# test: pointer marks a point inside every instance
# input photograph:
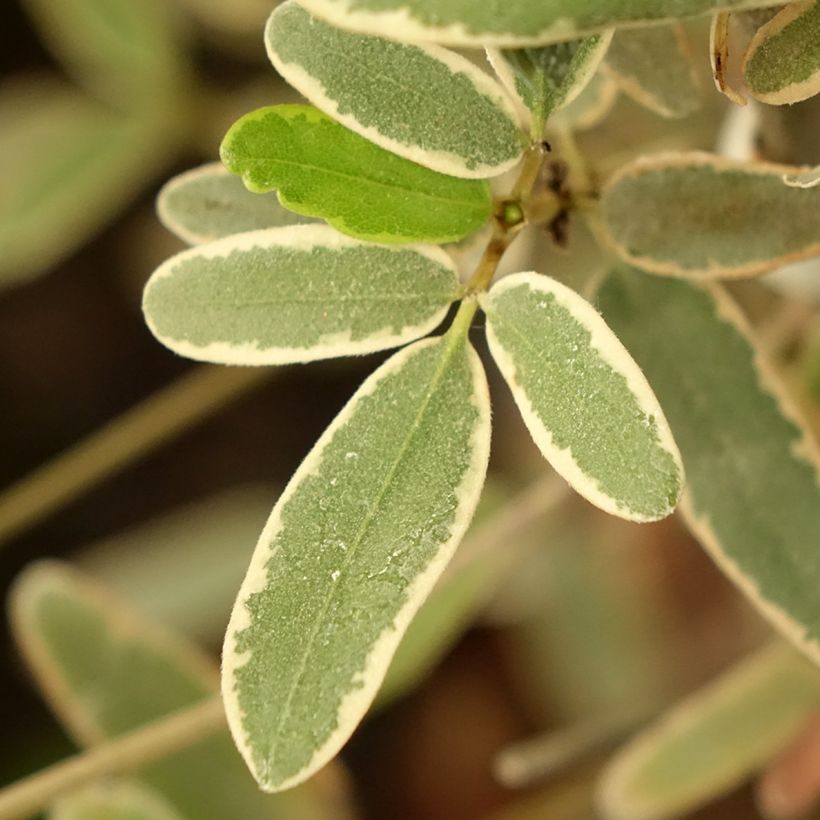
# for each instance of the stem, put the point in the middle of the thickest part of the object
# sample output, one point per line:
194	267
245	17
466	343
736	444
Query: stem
127	438
146	744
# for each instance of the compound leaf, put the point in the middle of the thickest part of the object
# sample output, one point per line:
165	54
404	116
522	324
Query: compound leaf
424	103
321	168
350	552
296	294
585	402
701	216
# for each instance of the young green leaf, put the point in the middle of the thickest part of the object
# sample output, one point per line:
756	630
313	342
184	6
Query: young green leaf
653	66
782	63
423	103
321	168
712	741
752	496
113	800
125	51
105	671
697	215
350	552
296	294
585	402
543	80
513	24
209	202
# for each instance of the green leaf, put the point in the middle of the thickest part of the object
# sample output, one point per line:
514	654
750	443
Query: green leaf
713	740
590	107
209	202
424	103
105	671
113	800
782	63
543	80
296	294
585	402
68	166
653	66
321	168
514	23
697	215
124	51
350	552
752	496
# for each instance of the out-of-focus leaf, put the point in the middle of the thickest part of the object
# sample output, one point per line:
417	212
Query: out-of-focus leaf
591	106
752	498
697	215
719	56
782	63
113	800
424	103
713	740
105	671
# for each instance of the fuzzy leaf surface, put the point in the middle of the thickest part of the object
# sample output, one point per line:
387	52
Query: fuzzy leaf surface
350	552
424	103
782	63
697	215
296	294
583	399
209	202
321	168
713	740
752	498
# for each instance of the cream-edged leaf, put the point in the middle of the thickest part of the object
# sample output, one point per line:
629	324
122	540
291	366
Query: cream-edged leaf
424	103
296	294
512	24
350	552
654	67
113	800
713	740
752	499
782	63
321	168
590	107
209	202
584	400
698	215
106	671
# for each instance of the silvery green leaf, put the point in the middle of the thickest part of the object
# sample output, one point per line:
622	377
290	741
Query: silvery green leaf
698	215
753	499
590	107
113	800
713	740
513	24
424	103
210	202
106	671
296	294
782	62
584	400
653	66
350	552
321	168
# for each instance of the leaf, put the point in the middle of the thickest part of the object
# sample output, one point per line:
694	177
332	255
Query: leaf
209	202
544	80
782	63
321	168
127	52
424	103
105	671
697	215
713	740
654	67
113	800
752	497
296	294
513	24
590	107
350	552
584	401
67	167
719	57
